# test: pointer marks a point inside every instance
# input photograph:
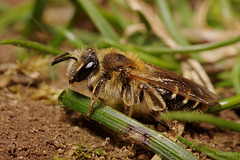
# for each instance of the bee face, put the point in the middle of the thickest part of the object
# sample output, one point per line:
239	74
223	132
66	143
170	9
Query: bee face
84	64
85	67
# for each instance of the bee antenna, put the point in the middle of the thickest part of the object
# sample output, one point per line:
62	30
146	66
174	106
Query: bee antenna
61	55
61	58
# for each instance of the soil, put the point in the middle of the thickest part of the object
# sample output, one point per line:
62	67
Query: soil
37	130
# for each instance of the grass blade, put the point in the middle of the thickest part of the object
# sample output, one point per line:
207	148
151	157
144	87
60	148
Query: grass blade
101	23
198	117
185	10
188	49
87	36
210	152
169	22
31	45
120	18
37	12
57	40
226	10
20	13
236	75
71	37
126	125
227	103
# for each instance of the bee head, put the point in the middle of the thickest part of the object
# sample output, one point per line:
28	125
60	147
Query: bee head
84	64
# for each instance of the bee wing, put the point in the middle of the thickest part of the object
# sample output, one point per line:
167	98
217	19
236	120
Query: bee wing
176	83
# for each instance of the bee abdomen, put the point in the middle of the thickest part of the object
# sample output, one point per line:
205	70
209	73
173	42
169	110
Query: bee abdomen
174	101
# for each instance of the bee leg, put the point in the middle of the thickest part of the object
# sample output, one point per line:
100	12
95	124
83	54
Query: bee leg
128	99
153	99
128	110
96	91
91	106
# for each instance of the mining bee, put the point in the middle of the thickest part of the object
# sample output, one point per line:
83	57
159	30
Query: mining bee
118	78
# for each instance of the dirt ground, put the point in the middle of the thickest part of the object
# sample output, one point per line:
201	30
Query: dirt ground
34	126
37	130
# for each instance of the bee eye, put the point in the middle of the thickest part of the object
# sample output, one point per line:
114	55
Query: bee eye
89	65
86	70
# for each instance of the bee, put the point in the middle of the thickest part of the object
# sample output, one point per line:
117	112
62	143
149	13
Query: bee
118	78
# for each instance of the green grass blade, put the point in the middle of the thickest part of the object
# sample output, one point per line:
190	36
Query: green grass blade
87	36
63	33
20	13
31	45
210	152
226	10
157	61
165	13
120	18
185	10
36	17
3	7
236	76
101	23
126	125
198	117
227	103
223	84
71	37
188	49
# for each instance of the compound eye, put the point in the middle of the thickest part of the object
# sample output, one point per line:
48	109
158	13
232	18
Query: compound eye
86	70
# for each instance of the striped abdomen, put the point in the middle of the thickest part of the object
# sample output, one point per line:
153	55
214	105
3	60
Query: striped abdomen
174	101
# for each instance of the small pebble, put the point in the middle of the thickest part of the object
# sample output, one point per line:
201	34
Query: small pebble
76	128
74	147
44	153
142	156
60	151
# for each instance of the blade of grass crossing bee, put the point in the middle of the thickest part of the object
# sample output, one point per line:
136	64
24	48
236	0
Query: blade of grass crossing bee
127	126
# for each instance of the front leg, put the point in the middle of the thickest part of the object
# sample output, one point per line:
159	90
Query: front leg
128	99
95	92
